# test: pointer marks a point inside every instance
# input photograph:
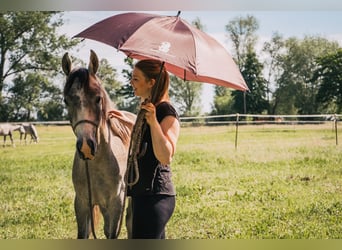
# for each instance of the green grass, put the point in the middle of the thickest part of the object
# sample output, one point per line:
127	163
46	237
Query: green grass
280	182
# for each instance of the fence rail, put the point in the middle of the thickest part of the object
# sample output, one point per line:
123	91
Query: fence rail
245	119
255	119
242	119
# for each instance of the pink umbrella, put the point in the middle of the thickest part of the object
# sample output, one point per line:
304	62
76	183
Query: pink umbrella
186	51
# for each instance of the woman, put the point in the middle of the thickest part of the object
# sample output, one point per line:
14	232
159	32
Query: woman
153	196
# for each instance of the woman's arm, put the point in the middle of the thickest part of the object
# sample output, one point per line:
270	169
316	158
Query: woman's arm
164	135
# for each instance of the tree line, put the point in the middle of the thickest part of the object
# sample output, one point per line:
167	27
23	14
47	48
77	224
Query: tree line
288	76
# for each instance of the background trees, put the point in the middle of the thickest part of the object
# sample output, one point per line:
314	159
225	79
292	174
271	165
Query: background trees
283	82
29	58
296	89
242	32
329	74
285	76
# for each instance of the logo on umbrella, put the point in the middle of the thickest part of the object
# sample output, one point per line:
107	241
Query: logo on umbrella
164	47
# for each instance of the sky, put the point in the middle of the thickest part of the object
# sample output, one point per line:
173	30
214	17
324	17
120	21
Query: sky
297	23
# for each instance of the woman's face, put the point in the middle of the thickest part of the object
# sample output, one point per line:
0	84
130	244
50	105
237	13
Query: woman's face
141	85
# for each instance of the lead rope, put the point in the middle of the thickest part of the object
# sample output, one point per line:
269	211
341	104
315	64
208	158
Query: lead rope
125	189
134	148
92	223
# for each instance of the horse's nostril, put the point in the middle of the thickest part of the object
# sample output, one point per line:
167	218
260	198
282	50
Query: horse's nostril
79	145
92	146
86	148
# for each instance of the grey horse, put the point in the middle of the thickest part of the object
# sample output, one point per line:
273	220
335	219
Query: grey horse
102	143
6	129
29	129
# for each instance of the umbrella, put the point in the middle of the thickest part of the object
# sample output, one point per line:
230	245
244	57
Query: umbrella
186	51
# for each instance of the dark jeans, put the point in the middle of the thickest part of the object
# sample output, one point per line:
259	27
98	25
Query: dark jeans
150	215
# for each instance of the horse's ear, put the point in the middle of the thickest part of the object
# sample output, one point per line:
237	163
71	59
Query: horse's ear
93	63
66	64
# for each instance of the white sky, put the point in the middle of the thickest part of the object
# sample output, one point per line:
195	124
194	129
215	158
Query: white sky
288	23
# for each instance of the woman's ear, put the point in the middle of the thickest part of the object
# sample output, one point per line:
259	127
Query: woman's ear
152	82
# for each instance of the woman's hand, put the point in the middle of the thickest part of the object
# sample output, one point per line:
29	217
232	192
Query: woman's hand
150	115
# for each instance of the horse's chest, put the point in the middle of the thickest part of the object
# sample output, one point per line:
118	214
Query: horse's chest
104	181
4	131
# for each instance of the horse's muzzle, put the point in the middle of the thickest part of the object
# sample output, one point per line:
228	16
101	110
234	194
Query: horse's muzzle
86	148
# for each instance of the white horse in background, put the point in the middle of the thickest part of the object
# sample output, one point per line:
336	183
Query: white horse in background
29	129
6	129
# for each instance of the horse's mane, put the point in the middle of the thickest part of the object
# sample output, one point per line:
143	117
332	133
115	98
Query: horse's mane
119	128
82	74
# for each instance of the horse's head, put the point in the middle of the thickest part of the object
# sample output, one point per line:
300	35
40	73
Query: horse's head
83	97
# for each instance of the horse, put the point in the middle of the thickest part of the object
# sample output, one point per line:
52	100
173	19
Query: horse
29	129
102	143
6	129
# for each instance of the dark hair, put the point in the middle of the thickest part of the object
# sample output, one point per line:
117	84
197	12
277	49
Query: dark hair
152	70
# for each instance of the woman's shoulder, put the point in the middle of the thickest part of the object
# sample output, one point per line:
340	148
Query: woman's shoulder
165	109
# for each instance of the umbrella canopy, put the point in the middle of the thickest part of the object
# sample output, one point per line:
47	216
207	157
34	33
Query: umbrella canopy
186	51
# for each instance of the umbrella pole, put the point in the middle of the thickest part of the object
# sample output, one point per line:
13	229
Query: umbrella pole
336	138
156	91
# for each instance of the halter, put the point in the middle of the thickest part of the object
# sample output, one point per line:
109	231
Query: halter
84	121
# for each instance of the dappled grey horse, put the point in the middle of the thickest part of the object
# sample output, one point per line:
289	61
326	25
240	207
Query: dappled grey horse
6	129
102	144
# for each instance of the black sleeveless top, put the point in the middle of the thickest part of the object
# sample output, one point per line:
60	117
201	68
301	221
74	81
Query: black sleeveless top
154	177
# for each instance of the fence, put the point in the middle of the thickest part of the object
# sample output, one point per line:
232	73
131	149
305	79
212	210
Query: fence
246	119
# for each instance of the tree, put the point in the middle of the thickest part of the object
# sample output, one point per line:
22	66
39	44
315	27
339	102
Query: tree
26	94
129	101
256	102
329	73
242	33
273	50
223	101
108	76
51	110
186	95
29	44
296	92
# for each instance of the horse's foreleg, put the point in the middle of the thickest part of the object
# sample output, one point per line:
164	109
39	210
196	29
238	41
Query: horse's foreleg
12	142
21	138
25	138
82	218
129	217
113	217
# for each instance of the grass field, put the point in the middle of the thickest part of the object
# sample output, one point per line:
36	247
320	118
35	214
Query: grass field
280	182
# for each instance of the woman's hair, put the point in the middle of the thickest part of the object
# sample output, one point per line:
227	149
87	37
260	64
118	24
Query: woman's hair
152	70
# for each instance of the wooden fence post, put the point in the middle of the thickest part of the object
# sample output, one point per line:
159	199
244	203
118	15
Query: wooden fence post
335	121
236	129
